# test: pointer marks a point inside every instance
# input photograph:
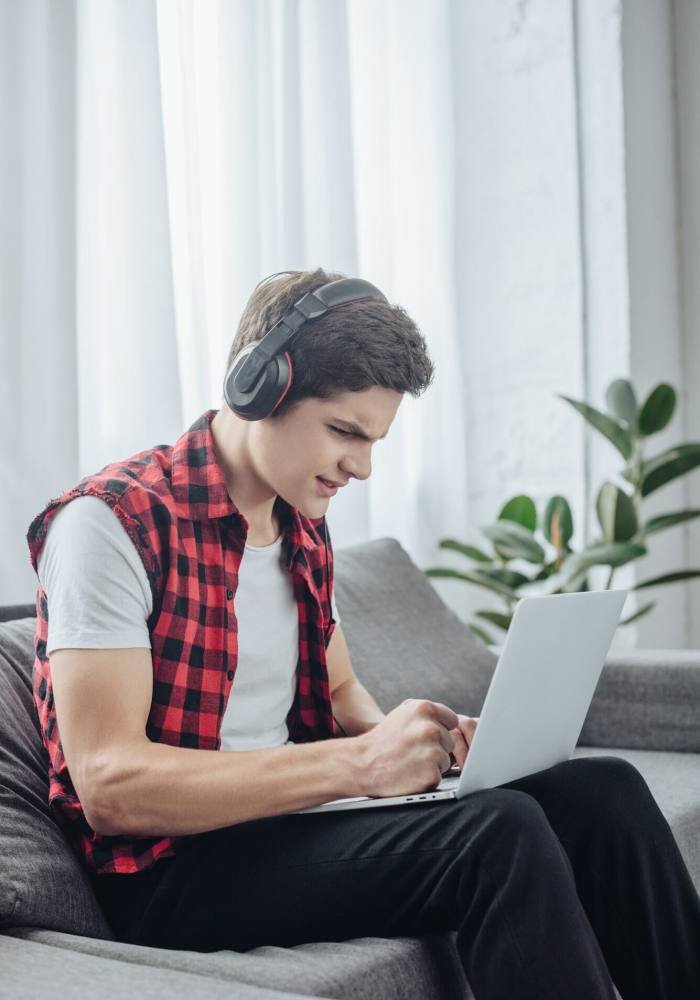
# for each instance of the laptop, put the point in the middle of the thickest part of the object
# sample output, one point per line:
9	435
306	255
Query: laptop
537	700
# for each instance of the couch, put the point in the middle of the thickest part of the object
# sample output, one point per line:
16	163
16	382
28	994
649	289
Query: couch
404	642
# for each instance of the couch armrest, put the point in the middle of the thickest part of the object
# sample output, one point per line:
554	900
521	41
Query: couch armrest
647	699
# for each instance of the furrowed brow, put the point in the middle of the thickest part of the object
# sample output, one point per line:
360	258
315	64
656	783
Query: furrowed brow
356	429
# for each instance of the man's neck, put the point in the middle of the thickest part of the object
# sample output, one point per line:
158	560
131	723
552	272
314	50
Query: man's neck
260	512
267	535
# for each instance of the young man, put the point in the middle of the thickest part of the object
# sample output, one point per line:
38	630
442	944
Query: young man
185	606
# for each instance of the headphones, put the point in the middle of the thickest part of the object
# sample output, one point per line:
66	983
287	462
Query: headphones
260	375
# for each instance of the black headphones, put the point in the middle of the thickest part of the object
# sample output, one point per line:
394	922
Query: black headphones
260	375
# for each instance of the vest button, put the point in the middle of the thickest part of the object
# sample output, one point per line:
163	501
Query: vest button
230	675
229	594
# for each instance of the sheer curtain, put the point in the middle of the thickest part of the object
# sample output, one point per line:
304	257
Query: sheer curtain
164	155
283	151
216	143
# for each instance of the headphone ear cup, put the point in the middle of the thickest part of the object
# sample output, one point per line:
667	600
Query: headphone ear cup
266	393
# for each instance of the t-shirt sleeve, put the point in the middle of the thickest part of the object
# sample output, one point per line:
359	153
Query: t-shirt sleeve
334	608
96	586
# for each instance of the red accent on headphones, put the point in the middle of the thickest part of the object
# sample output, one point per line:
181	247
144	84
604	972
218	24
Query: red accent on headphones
286	388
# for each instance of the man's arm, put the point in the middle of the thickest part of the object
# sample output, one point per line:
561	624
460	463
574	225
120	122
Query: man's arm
353	705
355	708
131	786
357	711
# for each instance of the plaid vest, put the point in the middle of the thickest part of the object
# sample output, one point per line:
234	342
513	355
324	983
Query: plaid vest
174	505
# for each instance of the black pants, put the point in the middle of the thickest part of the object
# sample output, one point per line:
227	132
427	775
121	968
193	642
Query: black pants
557	884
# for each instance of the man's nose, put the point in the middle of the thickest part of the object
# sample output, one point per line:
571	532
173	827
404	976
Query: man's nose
358	467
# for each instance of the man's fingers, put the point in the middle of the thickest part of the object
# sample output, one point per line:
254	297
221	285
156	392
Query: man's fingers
448	738
444	715
467	726
461	748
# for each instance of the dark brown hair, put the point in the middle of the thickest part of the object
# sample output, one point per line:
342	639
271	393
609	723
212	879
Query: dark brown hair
351	348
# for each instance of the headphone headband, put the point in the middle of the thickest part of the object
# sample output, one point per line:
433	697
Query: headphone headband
260	375
311	306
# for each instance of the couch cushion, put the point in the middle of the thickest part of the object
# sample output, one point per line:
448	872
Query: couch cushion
34	969
404	641
398	968
42	883
646	698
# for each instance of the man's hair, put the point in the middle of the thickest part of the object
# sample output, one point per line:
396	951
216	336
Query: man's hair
353	347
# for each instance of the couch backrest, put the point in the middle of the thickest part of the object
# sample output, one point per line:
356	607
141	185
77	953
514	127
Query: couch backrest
404	641
10	612
42	883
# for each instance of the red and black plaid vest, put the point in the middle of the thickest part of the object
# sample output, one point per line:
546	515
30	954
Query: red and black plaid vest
174	504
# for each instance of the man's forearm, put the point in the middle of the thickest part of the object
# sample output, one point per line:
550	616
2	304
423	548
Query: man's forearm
355	708
152	789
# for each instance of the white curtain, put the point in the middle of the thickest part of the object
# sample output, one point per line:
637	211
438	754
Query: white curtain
216	143
283	151
164	155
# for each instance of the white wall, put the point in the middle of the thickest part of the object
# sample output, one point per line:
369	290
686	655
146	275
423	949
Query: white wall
540	253
661	97
578	229
686	24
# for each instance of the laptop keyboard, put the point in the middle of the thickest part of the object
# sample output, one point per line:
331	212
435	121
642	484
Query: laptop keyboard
450	782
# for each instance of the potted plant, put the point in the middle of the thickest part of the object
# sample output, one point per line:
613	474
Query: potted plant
543	542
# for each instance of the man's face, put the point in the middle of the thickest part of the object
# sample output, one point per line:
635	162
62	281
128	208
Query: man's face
293	451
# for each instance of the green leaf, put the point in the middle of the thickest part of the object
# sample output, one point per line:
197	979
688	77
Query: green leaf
506	577
470	551
622	402
657	410
638	614
558	522
521	510
605	554
576	583
481	633
446	572
512	541
683	574
668	520
546	571
496	618
669	465
552	584
471	577
616	513
612	429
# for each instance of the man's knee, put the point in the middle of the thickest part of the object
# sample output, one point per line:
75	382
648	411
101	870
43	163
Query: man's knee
605	785
609	772
507	831
504	812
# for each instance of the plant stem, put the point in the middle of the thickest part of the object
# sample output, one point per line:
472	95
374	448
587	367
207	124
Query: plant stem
607	585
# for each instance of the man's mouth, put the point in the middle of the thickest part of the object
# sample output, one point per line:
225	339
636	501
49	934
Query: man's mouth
328	488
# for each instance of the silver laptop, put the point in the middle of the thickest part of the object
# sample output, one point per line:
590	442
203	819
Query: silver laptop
538	698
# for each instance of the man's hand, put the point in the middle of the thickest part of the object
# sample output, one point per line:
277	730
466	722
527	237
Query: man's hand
463	735
411	748
408	750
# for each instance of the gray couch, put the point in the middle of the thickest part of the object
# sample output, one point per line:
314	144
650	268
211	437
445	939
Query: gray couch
404	642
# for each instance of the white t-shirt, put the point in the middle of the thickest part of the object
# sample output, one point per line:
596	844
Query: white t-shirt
99	598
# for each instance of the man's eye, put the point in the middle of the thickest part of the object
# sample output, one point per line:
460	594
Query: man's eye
339	430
